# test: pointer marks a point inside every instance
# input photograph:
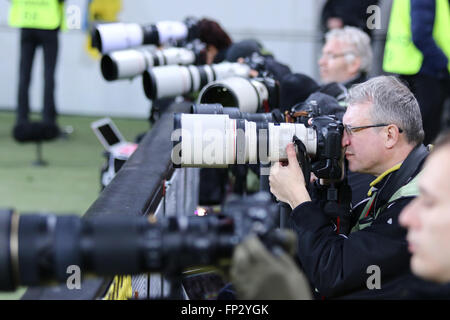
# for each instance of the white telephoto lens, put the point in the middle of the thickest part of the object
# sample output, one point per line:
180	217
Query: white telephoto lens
262	94
172	81
171	31
248	95
280	135
178	56
207	140
119	36
230	69
128	63
216	141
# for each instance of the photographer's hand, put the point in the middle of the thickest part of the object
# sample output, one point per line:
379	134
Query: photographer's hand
287	183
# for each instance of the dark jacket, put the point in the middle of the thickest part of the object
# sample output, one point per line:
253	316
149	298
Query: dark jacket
435	61
337	265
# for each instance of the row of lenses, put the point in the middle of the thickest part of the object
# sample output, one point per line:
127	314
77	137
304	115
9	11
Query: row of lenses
110	37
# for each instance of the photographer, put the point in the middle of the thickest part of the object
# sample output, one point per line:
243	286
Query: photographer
427	219
346	57
383	136
216	39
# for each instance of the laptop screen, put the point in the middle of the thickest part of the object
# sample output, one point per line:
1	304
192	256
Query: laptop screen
108	134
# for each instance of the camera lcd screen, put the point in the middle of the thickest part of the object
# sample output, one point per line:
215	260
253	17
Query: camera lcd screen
109	134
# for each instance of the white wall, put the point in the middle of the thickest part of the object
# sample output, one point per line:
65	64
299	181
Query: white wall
287	28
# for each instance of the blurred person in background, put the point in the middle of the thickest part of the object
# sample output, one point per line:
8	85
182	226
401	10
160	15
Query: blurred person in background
215	38
418	49
346	57
217	41
40	22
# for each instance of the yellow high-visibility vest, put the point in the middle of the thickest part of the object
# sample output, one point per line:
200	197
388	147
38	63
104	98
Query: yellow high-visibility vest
401	56
36	14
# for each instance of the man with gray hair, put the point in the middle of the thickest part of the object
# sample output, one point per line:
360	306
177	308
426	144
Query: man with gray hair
383	136
346	59
346	56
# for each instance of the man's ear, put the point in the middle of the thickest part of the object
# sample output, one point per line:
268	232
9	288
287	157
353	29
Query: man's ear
354	65
392	136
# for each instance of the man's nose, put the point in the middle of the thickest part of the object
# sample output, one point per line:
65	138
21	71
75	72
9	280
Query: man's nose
322	60
345	140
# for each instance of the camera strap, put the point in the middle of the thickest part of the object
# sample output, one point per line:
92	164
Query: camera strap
303	159
394	188
410	166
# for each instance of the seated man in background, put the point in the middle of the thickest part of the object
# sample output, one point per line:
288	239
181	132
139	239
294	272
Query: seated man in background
346	57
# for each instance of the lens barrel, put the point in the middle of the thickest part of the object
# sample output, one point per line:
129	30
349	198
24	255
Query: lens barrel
130	63
171	81
249	95
216	140
117	36
110	37
113	245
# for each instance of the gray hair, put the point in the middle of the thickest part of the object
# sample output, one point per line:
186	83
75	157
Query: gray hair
360	42
393	103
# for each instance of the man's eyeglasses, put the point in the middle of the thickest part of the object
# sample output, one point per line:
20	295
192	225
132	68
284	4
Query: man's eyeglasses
351	130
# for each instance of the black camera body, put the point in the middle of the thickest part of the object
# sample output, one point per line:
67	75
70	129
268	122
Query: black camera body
328	160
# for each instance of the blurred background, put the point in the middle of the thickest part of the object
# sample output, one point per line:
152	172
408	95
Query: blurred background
70	183
288	29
